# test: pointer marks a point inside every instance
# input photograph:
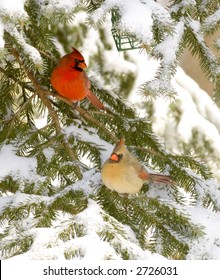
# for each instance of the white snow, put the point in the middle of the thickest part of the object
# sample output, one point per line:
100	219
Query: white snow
136	18
207	247
11	163
14	8
170	45
31	51
213	19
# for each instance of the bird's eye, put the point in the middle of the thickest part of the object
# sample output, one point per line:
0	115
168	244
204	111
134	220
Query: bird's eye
120	156
78	61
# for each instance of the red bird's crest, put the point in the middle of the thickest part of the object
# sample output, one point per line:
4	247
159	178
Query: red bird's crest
77	54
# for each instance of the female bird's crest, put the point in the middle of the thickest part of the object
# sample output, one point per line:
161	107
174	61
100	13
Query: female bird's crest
120	147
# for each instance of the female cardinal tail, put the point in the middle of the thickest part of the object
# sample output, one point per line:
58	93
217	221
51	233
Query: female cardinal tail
157	178
94	100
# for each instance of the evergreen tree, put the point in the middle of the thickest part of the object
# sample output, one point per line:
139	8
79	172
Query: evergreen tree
50	182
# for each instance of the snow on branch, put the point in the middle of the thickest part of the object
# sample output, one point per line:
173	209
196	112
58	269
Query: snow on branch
212	21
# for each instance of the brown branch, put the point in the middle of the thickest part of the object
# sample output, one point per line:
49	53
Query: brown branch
83	113
48	56
87	116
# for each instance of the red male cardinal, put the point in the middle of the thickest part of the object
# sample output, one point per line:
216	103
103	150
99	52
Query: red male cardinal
123	173
70	80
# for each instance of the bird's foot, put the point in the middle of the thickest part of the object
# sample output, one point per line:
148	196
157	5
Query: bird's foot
75	104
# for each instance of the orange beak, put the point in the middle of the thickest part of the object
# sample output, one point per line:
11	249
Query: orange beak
82	65
114	157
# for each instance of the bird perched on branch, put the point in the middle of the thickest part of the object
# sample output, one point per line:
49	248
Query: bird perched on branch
70	80
123	173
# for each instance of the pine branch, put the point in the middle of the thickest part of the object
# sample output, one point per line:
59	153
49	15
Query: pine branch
22	107
18	81
15	246
84	114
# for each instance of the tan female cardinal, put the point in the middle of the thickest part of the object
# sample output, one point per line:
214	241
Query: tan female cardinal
123	173
70	80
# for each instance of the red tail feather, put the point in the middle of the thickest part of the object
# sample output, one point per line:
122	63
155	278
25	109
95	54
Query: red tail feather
94	100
